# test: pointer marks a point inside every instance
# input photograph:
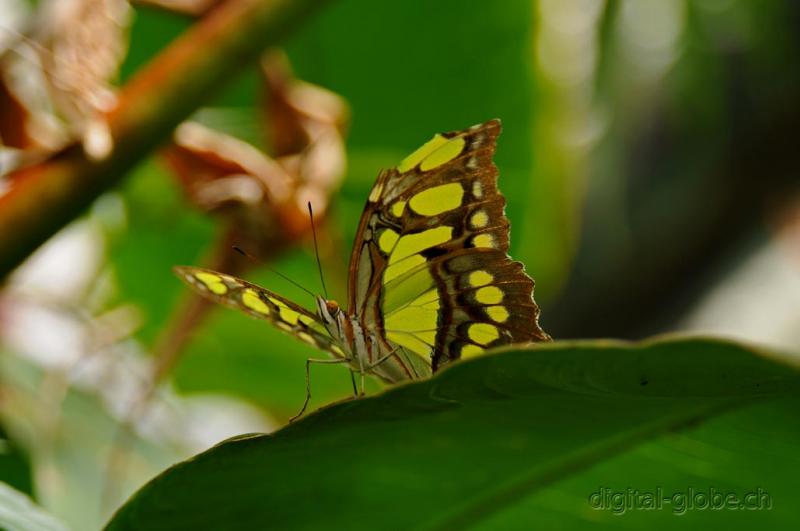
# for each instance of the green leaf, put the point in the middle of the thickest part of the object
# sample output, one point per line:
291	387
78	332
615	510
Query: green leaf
15	466
18	513
465	446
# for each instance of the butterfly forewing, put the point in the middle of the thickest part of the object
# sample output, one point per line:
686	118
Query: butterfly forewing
429	266
260	303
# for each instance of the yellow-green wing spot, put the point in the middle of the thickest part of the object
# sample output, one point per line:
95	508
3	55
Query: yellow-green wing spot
213	282
469	350
251	299
398	207
437	151
387	240
404	251
489	295
414	243
437	199
498	314
479	220
484	240
480	278
483	333
403	290
288	314
401	268
411	303
413	325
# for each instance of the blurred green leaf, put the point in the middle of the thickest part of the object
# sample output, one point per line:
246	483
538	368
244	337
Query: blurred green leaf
19	513
84	466
473	441
15	466
143	255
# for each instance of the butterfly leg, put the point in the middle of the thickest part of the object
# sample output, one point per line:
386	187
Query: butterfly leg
353	381
309	361
381	360
363	371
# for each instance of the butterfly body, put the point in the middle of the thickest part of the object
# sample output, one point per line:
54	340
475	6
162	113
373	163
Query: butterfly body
364	349
430	280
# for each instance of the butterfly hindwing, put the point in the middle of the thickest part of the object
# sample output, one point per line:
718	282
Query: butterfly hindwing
429	267
258	302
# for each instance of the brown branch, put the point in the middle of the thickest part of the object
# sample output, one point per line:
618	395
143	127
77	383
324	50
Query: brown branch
44	198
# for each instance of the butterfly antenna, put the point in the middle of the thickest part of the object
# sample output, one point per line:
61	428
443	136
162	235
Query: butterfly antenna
316	250
261	262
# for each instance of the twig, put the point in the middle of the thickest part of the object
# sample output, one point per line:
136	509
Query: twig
44	198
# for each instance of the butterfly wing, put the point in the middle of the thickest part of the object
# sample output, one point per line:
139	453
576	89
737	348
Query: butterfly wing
429	268
260	303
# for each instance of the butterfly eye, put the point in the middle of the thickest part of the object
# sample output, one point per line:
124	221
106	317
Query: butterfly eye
332	307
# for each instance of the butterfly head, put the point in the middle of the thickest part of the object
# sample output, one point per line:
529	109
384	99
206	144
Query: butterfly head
340	324
331	314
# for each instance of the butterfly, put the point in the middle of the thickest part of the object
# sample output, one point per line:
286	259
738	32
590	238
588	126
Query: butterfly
430	280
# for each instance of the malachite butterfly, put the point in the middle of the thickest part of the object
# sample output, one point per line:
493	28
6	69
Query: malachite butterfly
430	279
